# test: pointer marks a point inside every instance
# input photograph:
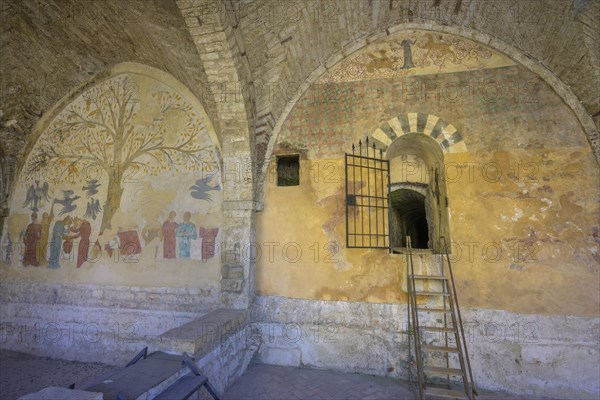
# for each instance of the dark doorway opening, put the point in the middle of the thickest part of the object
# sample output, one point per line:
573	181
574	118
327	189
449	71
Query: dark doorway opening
409	218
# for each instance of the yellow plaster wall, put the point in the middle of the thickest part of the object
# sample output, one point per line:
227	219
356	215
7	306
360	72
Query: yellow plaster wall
526	243
524	212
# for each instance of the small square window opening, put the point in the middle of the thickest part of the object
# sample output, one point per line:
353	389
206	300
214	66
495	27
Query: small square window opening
288	170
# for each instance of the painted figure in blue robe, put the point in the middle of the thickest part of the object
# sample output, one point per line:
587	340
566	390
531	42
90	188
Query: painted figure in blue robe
186	232
59	231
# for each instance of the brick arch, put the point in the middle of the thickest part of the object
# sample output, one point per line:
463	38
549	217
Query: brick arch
444	133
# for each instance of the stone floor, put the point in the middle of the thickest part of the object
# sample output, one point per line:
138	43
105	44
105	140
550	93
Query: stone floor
274	382
269	382
22	373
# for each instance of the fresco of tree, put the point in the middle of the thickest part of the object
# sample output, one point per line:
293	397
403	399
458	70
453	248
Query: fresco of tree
98	133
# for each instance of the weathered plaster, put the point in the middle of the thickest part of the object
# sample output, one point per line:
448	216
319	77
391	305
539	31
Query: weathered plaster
532	354
166	159
517	223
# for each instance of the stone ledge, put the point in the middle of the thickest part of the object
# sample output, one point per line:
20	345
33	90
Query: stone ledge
200	336
196	300
53	393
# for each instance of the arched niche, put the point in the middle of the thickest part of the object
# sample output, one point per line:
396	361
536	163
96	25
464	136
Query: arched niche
127	157
418	193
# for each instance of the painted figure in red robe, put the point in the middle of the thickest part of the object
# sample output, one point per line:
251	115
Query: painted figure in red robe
84	230
32	236
168	236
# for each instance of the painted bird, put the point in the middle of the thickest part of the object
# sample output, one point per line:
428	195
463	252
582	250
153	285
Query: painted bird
36	196
93	209
67	202
201	188
91	188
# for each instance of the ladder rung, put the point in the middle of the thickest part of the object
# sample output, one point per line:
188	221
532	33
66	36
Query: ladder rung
432	294
437	329
439	348
443	370
438	277
442	310
447	393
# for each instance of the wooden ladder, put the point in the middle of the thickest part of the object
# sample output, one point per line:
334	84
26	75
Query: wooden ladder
451	327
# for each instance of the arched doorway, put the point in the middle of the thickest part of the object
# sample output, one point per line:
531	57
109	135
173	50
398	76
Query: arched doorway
409	218
418	196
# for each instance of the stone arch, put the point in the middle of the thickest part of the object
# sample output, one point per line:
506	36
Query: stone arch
115	139
3	178
105	74
3	187
15	170
518	55
445	134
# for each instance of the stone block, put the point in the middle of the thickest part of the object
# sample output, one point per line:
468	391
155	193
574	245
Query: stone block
236	272
232	285
54	393
281	356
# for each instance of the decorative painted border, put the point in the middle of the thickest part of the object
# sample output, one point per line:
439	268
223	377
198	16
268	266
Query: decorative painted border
444	133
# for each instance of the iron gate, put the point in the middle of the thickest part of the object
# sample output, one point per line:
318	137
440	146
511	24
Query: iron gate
367	204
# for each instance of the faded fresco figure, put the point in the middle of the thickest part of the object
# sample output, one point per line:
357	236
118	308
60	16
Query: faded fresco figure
408	63
83	230
59	232
167	235
186	232
9	250
45	234
208	236
113	245
31	239
149	233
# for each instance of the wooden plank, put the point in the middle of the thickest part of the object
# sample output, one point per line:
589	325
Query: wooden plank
436	277
445	393
444	371
442	349
442	310
437	329
432	294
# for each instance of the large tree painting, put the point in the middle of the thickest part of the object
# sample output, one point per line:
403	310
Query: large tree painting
99	137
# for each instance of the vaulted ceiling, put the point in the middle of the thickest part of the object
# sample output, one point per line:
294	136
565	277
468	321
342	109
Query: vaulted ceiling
249	60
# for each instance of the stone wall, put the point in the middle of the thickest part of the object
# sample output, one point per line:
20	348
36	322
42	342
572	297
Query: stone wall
230	360
532	354
107	324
